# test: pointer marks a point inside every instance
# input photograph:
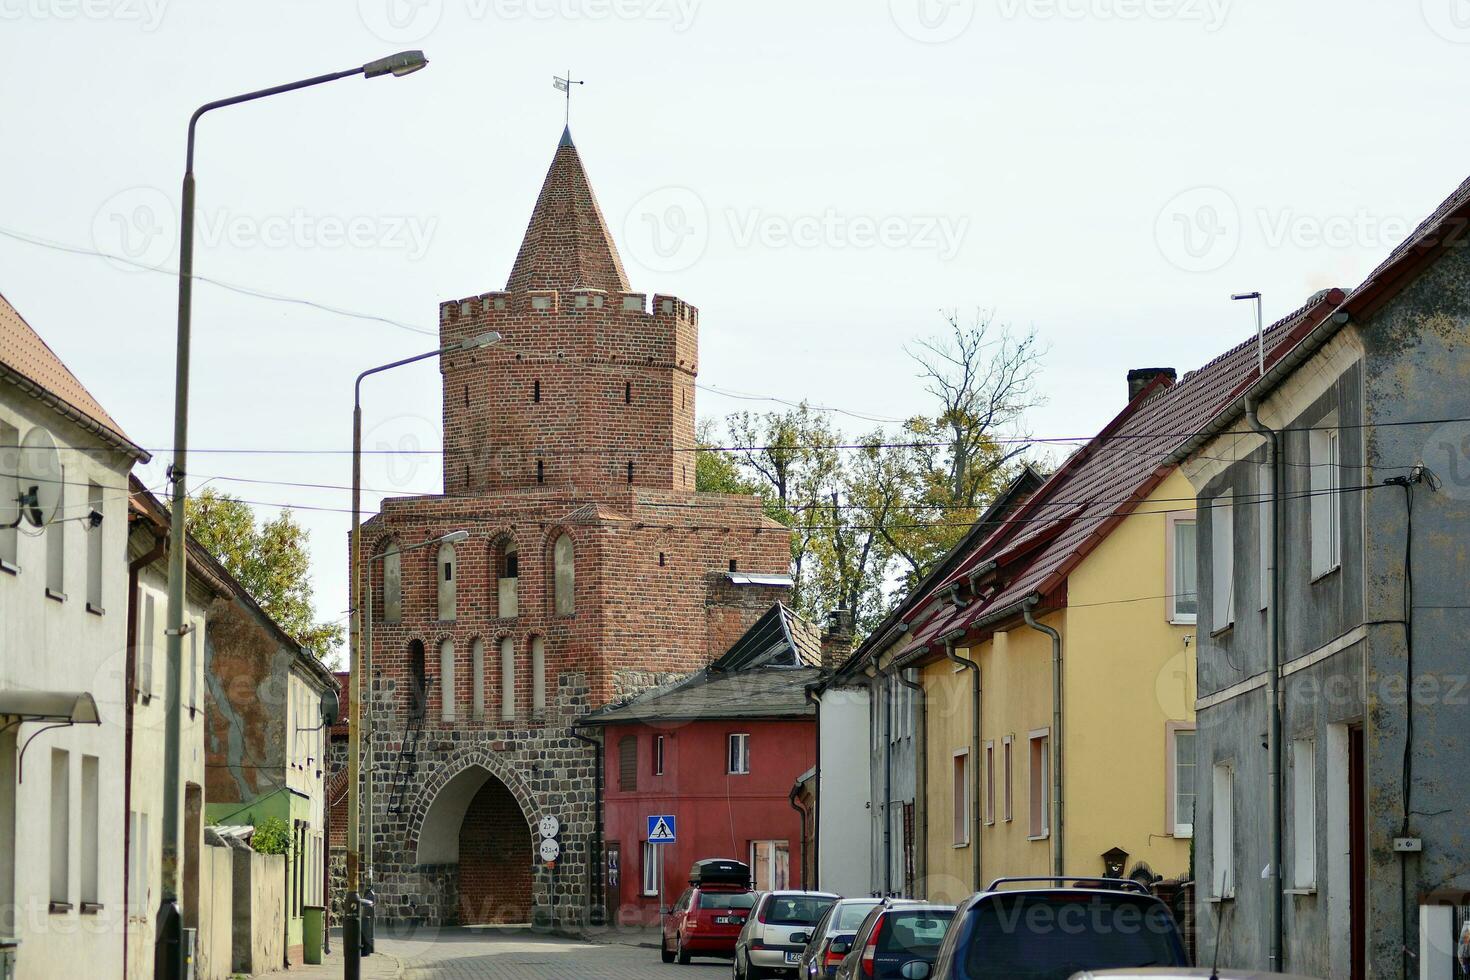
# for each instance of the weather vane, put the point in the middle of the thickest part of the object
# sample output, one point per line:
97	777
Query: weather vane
565	85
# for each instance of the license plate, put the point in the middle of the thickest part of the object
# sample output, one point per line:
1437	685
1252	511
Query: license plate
724	920
792	957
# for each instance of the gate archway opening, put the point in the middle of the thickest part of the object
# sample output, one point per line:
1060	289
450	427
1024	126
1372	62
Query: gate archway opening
476	825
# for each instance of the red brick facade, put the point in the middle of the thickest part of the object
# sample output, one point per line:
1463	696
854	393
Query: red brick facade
579	424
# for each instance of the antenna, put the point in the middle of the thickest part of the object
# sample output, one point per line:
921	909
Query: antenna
1260	330
40	478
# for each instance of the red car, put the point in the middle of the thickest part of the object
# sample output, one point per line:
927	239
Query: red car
708	917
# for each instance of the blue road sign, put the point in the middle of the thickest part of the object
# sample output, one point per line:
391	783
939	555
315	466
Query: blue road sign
661	829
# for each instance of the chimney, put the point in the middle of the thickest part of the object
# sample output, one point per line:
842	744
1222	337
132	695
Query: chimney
837	637
1139	379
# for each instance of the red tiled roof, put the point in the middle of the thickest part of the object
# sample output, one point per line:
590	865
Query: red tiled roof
24	353
1103	481
567	244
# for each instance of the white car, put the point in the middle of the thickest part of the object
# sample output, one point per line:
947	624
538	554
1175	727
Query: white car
776	931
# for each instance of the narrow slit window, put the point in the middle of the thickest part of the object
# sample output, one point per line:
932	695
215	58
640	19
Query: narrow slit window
540	471
507	679
630	471
94	534
627	392
536	390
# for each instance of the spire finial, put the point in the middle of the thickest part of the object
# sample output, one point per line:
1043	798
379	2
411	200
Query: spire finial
565	85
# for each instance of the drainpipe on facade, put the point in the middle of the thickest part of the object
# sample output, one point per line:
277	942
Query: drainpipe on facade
885	710
1273	681
816	704
950	639
130	668
594	846
1057	852
921	775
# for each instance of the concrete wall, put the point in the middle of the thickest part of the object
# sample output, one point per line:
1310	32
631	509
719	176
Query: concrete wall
844	830
893	777
213	959
56	644
258	897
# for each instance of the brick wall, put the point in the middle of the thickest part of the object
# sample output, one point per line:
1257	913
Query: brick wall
494	866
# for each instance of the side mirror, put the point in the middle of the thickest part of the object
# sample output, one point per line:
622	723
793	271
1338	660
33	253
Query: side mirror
914	970
841	947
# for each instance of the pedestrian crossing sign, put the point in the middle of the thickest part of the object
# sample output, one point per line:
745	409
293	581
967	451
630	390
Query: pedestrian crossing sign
661	829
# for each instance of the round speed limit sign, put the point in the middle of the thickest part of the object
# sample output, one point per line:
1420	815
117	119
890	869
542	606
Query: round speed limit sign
549	826
550	850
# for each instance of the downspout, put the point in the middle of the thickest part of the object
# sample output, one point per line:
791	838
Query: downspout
816	704
921	776
975	816
160	546
1273	681
801	814
594	846
1057	852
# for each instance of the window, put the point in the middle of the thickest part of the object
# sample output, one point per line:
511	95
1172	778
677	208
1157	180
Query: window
630	471
507	679
540	471
770	865
738	757
1303	814
56	548
628	763
538	676
1005	750
196	641
658	755
990	782
9	494
446	681
448	567
627	392
564	576
960	786
1222	561
1181	776
418	681
145	662
1040	784
94	550
653	868
536	390
392	583
507	560
1326	510
477	671
89	827
1222	832
1182	571
60	826
1263	529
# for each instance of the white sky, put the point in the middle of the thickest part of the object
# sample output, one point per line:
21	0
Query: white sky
1044	158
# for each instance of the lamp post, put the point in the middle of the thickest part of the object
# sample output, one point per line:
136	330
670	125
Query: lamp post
352	907
169	942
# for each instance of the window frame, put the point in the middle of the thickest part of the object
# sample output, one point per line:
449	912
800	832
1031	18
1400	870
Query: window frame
1172	825
741	739
1039	785
1222	560
989	783
658	755
961	777
1222	832
1172	523
653	863
1303	818
1007	754
1325	501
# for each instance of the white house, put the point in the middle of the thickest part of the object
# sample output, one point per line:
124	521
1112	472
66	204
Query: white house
63	642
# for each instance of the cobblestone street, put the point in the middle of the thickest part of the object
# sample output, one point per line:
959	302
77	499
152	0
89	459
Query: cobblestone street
464	954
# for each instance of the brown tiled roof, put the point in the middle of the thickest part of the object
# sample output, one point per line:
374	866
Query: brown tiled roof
567	244
28	359
1100	484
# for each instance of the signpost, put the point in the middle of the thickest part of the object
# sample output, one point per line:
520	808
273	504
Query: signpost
662	829
550	849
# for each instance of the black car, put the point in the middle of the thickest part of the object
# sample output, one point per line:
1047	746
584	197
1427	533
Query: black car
895	934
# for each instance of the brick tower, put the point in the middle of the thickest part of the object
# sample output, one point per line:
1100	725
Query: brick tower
592	571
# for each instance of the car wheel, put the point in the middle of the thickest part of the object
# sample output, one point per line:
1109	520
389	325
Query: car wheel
679	952
663	951
753	972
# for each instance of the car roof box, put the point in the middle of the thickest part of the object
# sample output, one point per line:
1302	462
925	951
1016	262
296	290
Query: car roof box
720	871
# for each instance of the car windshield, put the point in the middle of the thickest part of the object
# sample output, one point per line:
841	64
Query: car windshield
796	910
849	917
1052	936
726	900
918	931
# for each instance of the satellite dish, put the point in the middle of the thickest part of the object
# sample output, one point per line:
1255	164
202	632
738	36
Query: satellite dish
40	477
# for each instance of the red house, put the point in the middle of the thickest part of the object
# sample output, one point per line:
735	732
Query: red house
719	751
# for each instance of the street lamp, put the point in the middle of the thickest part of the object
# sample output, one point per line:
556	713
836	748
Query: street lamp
352	910
169	942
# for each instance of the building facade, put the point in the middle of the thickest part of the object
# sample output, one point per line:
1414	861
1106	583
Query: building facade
64	594
593	570
1371	617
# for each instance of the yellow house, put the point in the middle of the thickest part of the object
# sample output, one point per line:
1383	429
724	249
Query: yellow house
1071	629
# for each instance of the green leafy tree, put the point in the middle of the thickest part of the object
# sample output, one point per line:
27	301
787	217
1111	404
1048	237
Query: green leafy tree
271	836
270	560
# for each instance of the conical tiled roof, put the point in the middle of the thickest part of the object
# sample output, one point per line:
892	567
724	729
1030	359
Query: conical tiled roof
567	244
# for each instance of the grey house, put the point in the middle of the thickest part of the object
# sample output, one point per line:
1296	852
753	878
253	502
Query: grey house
1366	397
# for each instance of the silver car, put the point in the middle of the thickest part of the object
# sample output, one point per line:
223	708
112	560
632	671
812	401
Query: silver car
766	946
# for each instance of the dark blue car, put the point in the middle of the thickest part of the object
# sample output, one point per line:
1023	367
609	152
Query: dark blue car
894	936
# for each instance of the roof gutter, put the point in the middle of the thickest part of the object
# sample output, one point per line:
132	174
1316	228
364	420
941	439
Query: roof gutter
76	415
950	639
1009	611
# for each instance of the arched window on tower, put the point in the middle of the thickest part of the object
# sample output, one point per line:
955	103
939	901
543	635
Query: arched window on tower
538	677
446	681
448	572
392	583
418	681
507	561
507	679
477	669
564	576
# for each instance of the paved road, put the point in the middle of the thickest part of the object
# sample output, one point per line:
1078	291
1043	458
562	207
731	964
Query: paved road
463	954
